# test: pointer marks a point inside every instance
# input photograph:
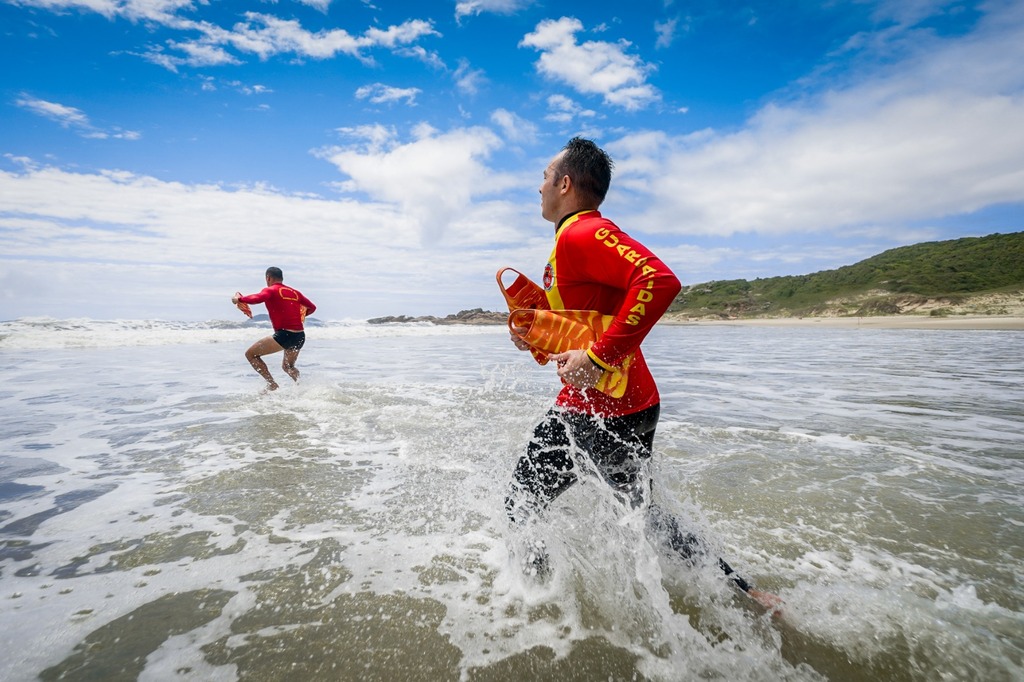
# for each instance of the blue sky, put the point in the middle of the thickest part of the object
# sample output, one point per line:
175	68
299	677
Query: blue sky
158	155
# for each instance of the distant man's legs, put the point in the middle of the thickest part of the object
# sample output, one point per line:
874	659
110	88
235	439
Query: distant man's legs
265	346
288	364
292	343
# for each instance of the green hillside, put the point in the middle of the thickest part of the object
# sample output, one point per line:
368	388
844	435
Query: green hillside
947	270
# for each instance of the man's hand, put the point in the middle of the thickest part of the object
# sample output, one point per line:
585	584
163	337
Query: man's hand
520	344
234	299
576	367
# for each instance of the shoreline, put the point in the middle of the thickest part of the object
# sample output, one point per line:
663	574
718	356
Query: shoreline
962	322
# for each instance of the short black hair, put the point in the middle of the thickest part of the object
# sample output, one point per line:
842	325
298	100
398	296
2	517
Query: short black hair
275	274
589	167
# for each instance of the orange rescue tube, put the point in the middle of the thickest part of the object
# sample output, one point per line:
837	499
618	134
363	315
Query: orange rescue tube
523	293
244	307
557	331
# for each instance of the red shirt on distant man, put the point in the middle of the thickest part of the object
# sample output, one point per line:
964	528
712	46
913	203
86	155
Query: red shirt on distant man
287	308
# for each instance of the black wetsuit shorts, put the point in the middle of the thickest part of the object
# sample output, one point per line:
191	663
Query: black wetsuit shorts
289	340
565	444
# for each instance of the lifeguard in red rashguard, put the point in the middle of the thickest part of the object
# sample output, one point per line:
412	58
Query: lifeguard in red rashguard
287	308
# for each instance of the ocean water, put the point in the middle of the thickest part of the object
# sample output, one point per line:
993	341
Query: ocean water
161	519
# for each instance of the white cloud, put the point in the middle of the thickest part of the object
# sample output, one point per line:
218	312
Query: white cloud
114	134
321	5
420	53
266	36
515	128
593	67
375	138
251	89
436	177
465	8
260	34
939	134
468	79
64	115
196	54
666	32
564	110
72	118
160	11
141	238
908	12
378	93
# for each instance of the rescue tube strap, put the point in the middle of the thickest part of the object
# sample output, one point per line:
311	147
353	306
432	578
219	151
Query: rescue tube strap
523	293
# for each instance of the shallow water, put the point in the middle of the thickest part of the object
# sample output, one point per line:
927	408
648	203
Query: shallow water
161	519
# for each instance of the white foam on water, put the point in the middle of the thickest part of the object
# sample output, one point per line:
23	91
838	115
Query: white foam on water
46	333
377	483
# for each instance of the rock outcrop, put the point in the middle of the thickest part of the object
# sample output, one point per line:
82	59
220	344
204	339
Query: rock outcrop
474	316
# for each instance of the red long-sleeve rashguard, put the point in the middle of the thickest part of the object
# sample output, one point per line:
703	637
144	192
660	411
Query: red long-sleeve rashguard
596	266
283	306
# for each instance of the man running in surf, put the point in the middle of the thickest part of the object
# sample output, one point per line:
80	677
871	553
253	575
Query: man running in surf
596	266
287	308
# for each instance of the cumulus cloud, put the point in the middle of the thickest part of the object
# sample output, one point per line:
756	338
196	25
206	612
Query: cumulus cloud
936	135
435	177
593	67
361	258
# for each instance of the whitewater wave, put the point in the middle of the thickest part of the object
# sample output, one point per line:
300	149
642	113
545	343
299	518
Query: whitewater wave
29	333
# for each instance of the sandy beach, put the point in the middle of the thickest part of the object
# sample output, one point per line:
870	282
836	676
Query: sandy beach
880	322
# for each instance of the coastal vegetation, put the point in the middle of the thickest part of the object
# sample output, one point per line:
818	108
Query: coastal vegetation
474	316
978	275
969	276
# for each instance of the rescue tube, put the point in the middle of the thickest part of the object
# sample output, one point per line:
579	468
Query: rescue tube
244	307
557	331
524	294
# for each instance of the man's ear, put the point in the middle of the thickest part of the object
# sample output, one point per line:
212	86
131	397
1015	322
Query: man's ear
566	184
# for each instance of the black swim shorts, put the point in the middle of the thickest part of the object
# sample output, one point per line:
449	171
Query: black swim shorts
289	340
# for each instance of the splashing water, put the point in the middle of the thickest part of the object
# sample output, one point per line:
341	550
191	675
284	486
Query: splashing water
159	519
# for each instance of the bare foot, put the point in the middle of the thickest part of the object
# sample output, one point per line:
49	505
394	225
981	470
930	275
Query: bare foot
768	600
272	386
